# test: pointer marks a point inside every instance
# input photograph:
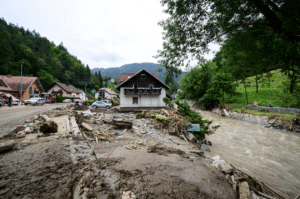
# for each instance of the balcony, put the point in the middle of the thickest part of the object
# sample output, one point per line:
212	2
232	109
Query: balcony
142	91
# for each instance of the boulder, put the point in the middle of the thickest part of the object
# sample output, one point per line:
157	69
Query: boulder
6	145
21	134
204	147
191	137
244	190
49	127
222	165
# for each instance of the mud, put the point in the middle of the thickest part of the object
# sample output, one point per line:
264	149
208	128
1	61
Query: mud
162	150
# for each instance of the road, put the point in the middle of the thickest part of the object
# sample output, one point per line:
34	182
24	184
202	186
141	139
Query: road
10	117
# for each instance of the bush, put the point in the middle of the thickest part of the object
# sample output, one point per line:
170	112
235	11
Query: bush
99	98
59	99
112	101
194	118
89	101
167	100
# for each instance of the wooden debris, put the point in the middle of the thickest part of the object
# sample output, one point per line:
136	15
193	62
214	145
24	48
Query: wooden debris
86	126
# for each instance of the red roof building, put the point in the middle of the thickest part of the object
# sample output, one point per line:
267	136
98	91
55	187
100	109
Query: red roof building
125	76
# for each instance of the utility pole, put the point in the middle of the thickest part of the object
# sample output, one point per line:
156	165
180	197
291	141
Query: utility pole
21	81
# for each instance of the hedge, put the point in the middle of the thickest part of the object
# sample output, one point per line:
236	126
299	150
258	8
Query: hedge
61	98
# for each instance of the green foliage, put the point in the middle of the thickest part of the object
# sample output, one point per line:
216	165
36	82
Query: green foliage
194	118
140	115
59	99
112	101
99	98
167	100
161	118
88	102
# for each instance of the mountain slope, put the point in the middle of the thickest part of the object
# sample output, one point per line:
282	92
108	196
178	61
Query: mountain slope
134	68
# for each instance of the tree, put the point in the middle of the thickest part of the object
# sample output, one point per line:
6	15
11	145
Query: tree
169	80
193	24
100	79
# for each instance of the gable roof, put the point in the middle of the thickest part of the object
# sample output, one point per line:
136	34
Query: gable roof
143	70
111	92
125	76
13	83
67	88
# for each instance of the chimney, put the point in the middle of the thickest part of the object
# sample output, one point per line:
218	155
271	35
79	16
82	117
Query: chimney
9	76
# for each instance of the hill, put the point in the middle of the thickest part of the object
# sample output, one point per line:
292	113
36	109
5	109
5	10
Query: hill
134	68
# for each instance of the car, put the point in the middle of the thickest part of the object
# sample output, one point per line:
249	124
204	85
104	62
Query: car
77	100
1	102
101	104
67	101
14	100
35	101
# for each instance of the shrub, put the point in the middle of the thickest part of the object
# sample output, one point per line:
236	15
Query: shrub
99	98
61	98
194	118
167	100
112	101
89	101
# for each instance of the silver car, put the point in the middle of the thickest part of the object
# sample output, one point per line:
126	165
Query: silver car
101	104
35	101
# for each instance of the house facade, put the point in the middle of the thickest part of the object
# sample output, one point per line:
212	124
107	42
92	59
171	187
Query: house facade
106	93
31	86
83	96
64	90
142	91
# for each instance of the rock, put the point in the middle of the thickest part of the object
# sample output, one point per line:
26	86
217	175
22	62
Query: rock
244	190
49	127
86	126
5	146
225	112
222	165
21	134
204	147
191	137
27	130
226	168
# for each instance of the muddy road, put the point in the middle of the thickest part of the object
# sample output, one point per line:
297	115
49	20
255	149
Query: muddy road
269	155
10	117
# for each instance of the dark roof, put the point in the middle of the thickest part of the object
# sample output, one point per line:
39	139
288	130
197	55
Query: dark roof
111	92
125	76
143	70
67	88
14	82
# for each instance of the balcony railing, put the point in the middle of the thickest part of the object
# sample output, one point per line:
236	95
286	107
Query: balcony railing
142	91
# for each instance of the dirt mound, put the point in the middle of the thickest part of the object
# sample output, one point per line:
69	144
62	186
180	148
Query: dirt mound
162	150
49	127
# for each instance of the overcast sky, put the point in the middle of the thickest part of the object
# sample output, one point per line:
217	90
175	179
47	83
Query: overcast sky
101	33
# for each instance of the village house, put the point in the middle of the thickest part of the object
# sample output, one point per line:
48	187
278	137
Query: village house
83	96
31	86
142	91
106	93
64	90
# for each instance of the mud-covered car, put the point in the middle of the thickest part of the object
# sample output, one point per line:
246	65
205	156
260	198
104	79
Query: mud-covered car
35	101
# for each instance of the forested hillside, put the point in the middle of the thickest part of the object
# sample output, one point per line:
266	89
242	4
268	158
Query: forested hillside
42	59
134	68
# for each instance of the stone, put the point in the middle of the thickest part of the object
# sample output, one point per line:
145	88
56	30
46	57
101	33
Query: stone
49	127
5	146
204	147
191	137
21	134
226	168
244	190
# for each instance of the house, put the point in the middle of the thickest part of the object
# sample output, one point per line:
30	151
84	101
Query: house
64	90
125	76
83	96
31	86
106	93
142	91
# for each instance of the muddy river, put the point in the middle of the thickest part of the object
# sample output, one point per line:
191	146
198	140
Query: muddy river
269	155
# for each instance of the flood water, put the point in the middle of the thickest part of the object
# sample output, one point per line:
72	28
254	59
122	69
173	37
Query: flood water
269	155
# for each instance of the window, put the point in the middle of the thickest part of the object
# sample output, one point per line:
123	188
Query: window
30	90
135	100
135	85
151	86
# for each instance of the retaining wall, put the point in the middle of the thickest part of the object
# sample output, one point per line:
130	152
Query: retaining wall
274	109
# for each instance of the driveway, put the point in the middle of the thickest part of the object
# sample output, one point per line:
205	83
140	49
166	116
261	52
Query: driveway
10	117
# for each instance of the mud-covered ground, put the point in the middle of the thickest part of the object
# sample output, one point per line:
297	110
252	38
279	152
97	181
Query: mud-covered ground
65	166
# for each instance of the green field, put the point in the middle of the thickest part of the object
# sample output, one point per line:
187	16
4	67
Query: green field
274	90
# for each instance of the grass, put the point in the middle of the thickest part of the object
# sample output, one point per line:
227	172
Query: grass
253	112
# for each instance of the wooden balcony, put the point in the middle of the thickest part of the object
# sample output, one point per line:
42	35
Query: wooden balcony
142	91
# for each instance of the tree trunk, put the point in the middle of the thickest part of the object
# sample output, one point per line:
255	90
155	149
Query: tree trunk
246	91
256	77
292	84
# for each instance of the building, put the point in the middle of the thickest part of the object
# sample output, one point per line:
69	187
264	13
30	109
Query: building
83	96
125	76
142	91
31	86
64	90
106	93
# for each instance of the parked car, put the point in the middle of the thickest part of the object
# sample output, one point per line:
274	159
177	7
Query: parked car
35	101
106	101
101	104
49	98
1	102
67	101
5	97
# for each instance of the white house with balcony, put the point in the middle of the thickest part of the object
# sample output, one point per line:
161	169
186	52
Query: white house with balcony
142	91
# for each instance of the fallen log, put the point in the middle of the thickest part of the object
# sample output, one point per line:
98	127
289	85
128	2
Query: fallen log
87	127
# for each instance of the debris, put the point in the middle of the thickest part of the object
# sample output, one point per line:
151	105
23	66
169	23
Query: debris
20	134
86	126
204	147
87	112
132	145
5	146
244	190
119	124
49	127
117	133
222	165
27	130
191	137
198	152
45	117
128	195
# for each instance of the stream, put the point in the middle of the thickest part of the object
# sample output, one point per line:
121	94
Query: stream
269	155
